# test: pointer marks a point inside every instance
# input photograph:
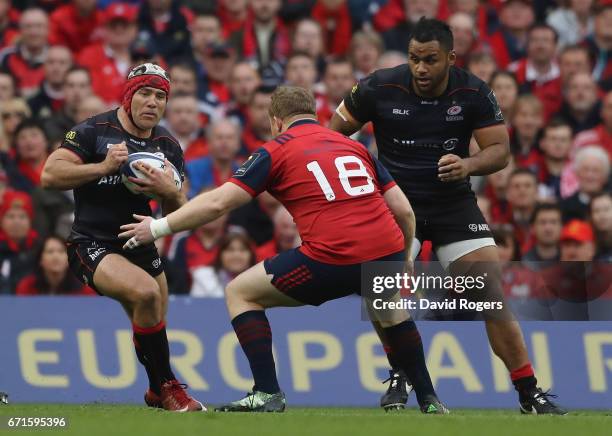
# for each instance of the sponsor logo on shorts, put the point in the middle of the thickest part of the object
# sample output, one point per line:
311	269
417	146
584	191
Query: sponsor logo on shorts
454	110
94	253
450	144
479	227
156	263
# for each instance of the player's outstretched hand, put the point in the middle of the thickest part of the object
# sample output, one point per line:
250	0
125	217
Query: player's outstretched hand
158	183
452	168
115	157
139	233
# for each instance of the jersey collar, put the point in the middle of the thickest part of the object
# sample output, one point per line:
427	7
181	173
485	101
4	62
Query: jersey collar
302	121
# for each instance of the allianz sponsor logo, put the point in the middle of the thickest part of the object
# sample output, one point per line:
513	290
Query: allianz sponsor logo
114	179
93	253
479	227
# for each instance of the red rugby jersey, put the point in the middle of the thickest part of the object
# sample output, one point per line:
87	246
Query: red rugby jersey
332	186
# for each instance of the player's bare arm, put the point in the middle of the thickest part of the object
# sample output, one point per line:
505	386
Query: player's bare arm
200	210
494	155
404	216
343	122
160	184
65	170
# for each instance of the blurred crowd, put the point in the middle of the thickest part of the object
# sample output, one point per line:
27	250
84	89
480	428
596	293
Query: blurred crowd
549	63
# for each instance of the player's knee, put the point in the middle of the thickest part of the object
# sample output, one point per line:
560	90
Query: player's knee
148	294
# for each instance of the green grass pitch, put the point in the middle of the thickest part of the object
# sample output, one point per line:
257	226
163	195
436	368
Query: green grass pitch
114	420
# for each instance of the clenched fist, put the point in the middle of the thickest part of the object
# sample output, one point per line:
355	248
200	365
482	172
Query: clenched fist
115	157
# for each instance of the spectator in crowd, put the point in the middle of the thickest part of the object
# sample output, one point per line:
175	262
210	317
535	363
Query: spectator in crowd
600	43
509	43
301	71
506	89
50	95
507	245
13	112
335	21
527	121
286	236
183	122
8	86
555	144
308	38
364	51
601	219
17	240
243	81
183	79
9	27
236	254
257	130
166	23
190	251
391	59
205	29
538	73
495	191
75	25
482	65
31	146
522	196
601	134
77	86
110	60
264	37
233	15
216	168
573	21
464	35
573	59
88	107
546	229
580	107
213	69
592	168
396	25
577	242
25	59
51	275
338	80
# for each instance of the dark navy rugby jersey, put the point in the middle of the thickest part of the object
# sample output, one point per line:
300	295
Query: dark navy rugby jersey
103	205
413	133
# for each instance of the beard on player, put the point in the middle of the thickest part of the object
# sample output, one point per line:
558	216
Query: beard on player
429	64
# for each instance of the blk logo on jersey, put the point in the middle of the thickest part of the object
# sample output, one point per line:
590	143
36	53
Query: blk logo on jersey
401	111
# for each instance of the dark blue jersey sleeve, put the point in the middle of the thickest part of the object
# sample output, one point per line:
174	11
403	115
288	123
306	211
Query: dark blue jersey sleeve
253	174
385	181
81	140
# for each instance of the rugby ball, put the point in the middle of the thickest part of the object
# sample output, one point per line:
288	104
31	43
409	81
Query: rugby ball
154	160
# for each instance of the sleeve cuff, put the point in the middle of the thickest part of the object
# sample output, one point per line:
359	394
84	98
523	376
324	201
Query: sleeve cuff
388	186
244	186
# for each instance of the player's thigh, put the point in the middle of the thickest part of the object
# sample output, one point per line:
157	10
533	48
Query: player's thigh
118	278
254	286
